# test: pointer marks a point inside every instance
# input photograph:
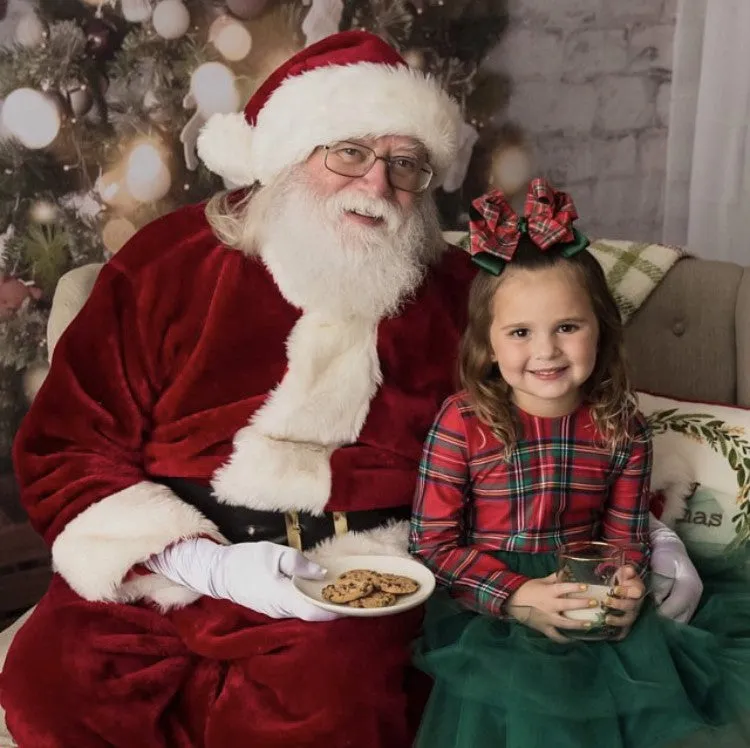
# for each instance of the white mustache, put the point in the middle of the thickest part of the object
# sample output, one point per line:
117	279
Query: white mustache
372	206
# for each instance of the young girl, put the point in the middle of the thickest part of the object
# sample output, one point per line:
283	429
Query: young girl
544	446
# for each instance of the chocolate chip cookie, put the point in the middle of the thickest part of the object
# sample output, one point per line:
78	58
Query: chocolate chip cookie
344	591
396	584
376	599
361	575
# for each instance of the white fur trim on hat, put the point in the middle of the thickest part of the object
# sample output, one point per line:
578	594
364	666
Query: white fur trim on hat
97	549
328	104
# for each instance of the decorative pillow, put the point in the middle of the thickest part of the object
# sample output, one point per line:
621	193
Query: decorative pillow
706	523
702	465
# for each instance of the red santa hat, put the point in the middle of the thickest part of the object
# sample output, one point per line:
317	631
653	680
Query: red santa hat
348	85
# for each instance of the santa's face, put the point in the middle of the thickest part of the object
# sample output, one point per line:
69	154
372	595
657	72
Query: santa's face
373	184
347	245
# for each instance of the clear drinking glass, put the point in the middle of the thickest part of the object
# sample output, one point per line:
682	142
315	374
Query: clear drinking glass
595	564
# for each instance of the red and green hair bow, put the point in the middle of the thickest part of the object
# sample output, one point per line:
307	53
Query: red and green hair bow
495	228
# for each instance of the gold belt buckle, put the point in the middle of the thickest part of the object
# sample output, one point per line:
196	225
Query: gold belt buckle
340	523
293	530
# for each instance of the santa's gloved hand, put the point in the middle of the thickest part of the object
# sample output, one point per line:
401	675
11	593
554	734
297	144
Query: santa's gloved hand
254	575
675	583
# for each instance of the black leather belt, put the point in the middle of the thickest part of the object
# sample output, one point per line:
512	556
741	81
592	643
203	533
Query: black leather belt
300	530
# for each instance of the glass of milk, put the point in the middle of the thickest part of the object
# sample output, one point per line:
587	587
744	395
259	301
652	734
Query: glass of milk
595	564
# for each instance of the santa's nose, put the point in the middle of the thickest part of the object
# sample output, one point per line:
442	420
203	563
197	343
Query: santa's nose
375	183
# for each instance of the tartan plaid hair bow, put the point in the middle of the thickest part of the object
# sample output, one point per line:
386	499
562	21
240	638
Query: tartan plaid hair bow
495	229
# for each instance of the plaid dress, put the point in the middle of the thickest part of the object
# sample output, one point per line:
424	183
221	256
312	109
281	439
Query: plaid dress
485	525
561	484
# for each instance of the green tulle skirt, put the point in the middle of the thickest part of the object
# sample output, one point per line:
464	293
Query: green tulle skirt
500	684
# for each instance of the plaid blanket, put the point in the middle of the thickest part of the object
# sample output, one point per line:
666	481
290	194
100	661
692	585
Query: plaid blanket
633	269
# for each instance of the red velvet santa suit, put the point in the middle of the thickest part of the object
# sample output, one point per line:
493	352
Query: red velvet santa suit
187	362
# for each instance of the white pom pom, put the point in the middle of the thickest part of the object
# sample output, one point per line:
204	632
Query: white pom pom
224	146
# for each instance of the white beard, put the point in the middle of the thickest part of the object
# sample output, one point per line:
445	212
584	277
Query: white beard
325	263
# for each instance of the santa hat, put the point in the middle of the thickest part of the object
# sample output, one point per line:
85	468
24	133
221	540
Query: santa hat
348	85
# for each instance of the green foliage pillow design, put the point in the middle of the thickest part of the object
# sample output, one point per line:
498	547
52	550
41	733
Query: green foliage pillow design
714	442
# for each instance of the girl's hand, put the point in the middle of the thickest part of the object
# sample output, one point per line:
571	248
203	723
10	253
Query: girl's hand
627	599
540	604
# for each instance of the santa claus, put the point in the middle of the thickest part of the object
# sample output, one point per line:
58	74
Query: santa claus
244	395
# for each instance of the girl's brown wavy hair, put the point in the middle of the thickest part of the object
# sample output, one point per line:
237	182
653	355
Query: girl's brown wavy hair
608	390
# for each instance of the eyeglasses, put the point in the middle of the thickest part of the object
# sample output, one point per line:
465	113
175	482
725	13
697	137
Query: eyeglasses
355	160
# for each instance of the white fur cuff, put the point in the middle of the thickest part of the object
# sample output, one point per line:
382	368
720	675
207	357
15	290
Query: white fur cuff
97	548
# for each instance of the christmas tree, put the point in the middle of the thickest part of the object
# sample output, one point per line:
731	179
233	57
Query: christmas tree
103	101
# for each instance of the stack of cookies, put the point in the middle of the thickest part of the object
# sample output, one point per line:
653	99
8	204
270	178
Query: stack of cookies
362	588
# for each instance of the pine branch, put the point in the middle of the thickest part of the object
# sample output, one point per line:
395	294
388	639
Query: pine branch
43	252
91	139
390	19
85	241
130	114
148	64
453	36
23	337
26	174
62	10
52	65
466	34
12	407
457	78
46	254
13	255
192	55
145	55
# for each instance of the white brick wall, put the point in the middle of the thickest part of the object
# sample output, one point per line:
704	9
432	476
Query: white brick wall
542	107
595	52
651	48
652	151
614	157
625	103
527	54
565	160
662	104
626	12
554	13
590	87
669	12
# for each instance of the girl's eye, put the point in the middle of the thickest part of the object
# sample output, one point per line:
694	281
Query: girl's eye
568	327
521	332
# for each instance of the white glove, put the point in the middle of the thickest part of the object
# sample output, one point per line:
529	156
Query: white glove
254	575
676	586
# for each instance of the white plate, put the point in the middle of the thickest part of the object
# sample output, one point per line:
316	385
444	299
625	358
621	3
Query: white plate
312	589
